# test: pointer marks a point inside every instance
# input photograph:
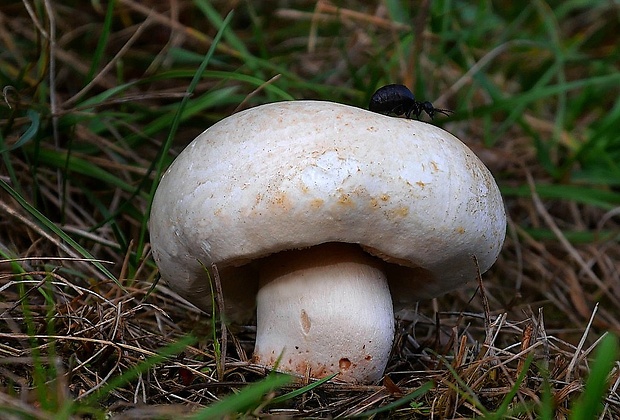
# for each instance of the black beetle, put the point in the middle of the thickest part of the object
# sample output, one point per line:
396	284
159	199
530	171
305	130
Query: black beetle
398	100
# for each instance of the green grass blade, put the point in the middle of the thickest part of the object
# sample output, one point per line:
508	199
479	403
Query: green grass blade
463	389
8	165
133	373
301	390
103	40
546	407
590	402
249	397
216	19
75	164
609	81
175	125
602	198
30	132
44	221
401	401
502	410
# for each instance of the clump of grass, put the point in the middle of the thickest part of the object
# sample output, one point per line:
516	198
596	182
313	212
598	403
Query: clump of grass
97	99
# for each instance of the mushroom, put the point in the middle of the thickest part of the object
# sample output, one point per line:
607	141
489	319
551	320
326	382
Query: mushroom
331	217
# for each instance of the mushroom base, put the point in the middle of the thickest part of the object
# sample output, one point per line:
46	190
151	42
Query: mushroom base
325	310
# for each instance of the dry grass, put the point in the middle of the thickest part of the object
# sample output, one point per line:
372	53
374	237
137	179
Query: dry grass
522	342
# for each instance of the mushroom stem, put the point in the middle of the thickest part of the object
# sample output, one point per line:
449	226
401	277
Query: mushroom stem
325	309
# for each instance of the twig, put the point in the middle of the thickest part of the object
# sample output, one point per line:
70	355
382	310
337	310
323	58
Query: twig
526	341
514	236
7	209
485	302
111	63
540	331
219	297
189	31
255	91
42	258
467	77
542	211
573	362
611	391
125	266
52	91
483	296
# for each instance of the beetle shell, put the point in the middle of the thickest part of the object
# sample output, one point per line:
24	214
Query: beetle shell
399	100
393	99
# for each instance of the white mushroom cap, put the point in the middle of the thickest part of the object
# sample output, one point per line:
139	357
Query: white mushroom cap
294	175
